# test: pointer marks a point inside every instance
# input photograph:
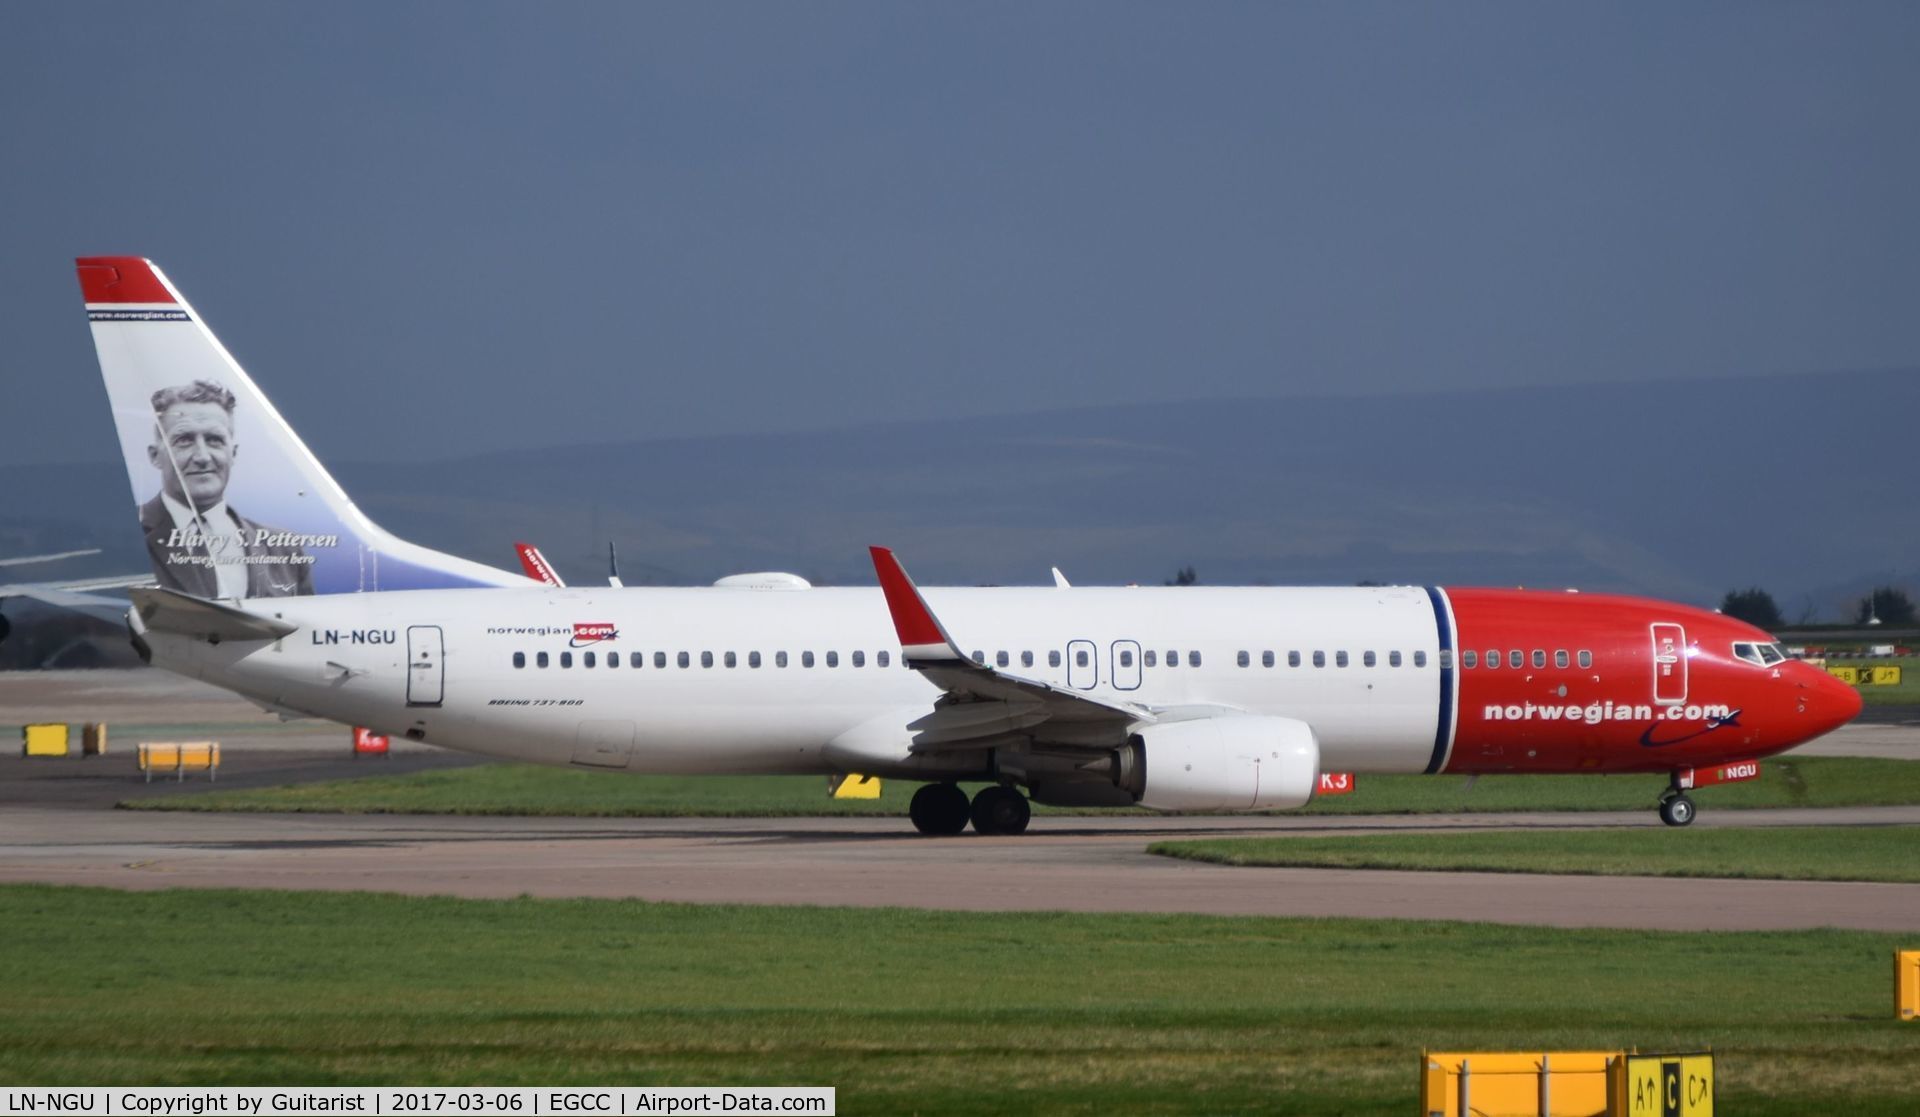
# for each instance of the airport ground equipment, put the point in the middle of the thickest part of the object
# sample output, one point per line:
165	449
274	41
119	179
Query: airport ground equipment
1517	1083
46	739
853	786
368	743
179	758
93	739
1906	984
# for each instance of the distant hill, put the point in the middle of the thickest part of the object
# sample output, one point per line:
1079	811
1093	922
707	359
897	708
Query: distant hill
1802	485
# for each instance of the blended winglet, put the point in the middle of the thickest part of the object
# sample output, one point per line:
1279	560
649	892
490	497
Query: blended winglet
921	636
537	566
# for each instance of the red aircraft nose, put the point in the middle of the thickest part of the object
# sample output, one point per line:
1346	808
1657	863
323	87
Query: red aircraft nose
1829	703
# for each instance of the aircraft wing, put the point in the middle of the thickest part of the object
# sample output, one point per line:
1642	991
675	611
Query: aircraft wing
73	594
984	707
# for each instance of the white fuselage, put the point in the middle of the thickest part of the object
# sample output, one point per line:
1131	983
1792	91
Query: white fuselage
440	666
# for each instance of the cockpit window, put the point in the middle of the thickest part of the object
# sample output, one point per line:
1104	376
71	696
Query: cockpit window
1760	655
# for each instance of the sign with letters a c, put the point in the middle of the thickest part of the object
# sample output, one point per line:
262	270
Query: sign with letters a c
1669	1086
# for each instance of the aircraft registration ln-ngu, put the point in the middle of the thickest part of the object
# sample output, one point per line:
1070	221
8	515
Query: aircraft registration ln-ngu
272	584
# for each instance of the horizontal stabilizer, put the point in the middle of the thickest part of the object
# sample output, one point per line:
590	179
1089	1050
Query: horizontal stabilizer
164	610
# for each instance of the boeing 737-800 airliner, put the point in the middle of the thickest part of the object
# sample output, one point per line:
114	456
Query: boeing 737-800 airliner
273	585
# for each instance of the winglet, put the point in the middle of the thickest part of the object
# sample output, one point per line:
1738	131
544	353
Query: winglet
537	566
921	636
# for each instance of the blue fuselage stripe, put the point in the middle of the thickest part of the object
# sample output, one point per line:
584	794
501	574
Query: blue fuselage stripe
1444	626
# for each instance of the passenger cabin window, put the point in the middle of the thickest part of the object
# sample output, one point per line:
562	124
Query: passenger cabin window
660	659
1126	657
636	659
1319	659
1539	658
1393	659
1193	659
1560	658
1293	659
753	659
566	659
859	659
1340	659
1026	659
1244	659
730	660
1001	659
779	659
1493	659
1266	659
586	659
833	659
1173	659
1446	659
1367	659
1080	658
540	659
613	659
1516	658
881	659
519	659
806	659
1150	658
1586	659
684	659
1053	659
706	659
978	657
1419	659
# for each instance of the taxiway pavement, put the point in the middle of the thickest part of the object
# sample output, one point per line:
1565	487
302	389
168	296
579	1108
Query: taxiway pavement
57	826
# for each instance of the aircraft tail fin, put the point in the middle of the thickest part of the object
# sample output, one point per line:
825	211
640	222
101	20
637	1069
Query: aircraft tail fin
220	523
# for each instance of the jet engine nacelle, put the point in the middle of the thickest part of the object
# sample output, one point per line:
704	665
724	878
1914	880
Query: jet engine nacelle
1221	763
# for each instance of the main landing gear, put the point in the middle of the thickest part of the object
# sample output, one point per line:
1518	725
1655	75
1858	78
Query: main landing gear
942	809
1675	808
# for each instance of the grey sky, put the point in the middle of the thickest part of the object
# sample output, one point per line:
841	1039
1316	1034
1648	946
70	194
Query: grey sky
429	228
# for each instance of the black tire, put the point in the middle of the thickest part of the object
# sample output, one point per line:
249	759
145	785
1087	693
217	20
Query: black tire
1677	810
1000	810
939	809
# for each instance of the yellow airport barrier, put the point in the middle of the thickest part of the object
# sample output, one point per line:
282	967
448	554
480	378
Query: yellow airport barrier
93	739
1886	676
1662	1086
853	786
1517	1083
44	740
1906	984
1847	675
179	758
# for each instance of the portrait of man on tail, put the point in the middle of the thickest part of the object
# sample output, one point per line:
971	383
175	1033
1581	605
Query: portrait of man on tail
199	543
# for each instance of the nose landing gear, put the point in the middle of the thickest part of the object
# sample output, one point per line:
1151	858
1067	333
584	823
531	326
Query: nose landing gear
1676	809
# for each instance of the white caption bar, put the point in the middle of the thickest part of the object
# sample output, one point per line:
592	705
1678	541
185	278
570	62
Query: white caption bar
396	1101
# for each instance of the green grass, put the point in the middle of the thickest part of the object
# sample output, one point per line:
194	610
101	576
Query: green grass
909	1011
528	790
1877	853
